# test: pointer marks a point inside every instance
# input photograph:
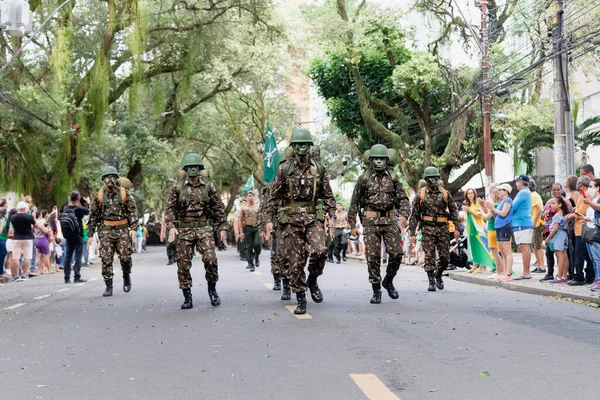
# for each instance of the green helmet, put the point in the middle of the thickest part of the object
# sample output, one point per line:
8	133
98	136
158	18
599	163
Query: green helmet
109	170
431	172
379	151
393	157
301	135
192	159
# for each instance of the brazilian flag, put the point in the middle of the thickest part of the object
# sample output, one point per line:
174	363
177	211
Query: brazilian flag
478	251
271	159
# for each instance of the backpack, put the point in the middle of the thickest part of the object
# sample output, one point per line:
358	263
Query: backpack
123	196
69	224
423	193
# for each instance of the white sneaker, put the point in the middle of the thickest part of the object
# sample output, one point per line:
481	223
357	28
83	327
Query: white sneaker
493	276
17	279
25	278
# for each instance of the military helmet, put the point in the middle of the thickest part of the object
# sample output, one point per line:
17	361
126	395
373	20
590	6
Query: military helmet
431	172
301	135
393	157
366	156
191	159
379	151
109	170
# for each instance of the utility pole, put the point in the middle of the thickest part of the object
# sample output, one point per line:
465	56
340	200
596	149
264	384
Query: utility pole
560	99
485	71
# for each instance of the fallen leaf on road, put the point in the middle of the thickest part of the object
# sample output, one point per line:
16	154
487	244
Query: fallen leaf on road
433	390
131	379
41	386
485	373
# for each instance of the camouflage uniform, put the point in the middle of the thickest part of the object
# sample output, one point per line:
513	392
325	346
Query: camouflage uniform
278	269
431	211
379	194
299	182
114	218
192	217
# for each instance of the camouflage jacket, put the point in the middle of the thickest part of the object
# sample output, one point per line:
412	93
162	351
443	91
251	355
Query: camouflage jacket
299	184
380	192
113	209
200	200
434	204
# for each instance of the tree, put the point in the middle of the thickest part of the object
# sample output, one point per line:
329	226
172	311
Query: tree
405	99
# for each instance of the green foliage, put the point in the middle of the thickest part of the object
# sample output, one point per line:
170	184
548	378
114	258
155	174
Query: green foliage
418	76
97	97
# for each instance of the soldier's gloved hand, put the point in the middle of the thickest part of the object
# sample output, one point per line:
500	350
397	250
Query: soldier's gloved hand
172	234
224	238
403	221
269	229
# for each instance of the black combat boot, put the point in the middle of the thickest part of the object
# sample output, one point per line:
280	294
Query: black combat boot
126	282
337	259
257	262
212	293
108	291
438	279
287	291
330	259
276	282
187	303
250	265
172	260
431	276
301	307
388	284
376	299
315	292
344	255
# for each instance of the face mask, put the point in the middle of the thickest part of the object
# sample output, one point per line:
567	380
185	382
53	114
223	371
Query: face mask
379	163
301	149
433	181
193	171
592	191
109	181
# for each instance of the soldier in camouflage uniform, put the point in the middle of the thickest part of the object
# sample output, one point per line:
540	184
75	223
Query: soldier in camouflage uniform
114	215
302	184
192	207
377	195
432	209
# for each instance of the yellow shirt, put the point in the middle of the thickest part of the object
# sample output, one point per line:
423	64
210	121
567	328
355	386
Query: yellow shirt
477	214
536	200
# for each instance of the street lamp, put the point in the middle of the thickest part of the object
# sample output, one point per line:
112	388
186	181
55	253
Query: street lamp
15	17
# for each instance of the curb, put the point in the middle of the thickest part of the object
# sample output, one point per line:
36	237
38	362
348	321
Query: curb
521	288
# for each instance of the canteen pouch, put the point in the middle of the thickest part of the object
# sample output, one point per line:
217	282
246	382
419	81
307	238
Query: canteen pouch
320	214
282	216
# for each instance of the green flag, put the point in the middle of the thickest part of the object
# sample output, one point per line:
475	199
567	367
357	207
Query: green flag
249	184
271	160
478	251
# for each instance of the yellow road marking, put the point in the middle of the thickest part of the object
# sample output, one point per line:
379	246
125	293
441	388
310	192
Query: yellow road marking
372	387
303	316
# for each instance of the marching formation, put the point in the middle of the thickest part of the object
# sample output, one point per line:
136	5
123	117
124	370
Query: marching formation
297	211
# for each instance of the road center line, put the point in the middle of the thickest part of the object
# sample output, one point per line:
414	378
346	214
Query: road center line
62	290
42	296
372	387
92	279
14	306
302	316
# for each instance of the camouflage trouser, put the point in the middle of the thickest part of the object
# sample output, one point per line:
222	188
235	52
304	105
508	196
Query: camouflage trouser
435	239
300	242
278	264
203	239
391	238
252	242
111	241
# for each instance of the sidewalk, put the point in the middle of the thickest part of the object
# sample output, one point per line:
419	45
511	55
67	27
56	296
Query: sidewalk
531	286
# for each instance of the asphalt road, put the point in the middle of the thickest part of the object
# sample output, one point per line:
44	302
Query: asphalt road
467	342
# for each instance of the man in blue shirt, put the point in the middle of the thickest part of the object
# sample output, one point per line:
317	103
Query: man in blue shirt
522	223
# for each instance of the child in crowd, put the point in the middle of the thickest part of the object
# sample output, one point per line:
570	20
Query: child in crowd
558	240
58	253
